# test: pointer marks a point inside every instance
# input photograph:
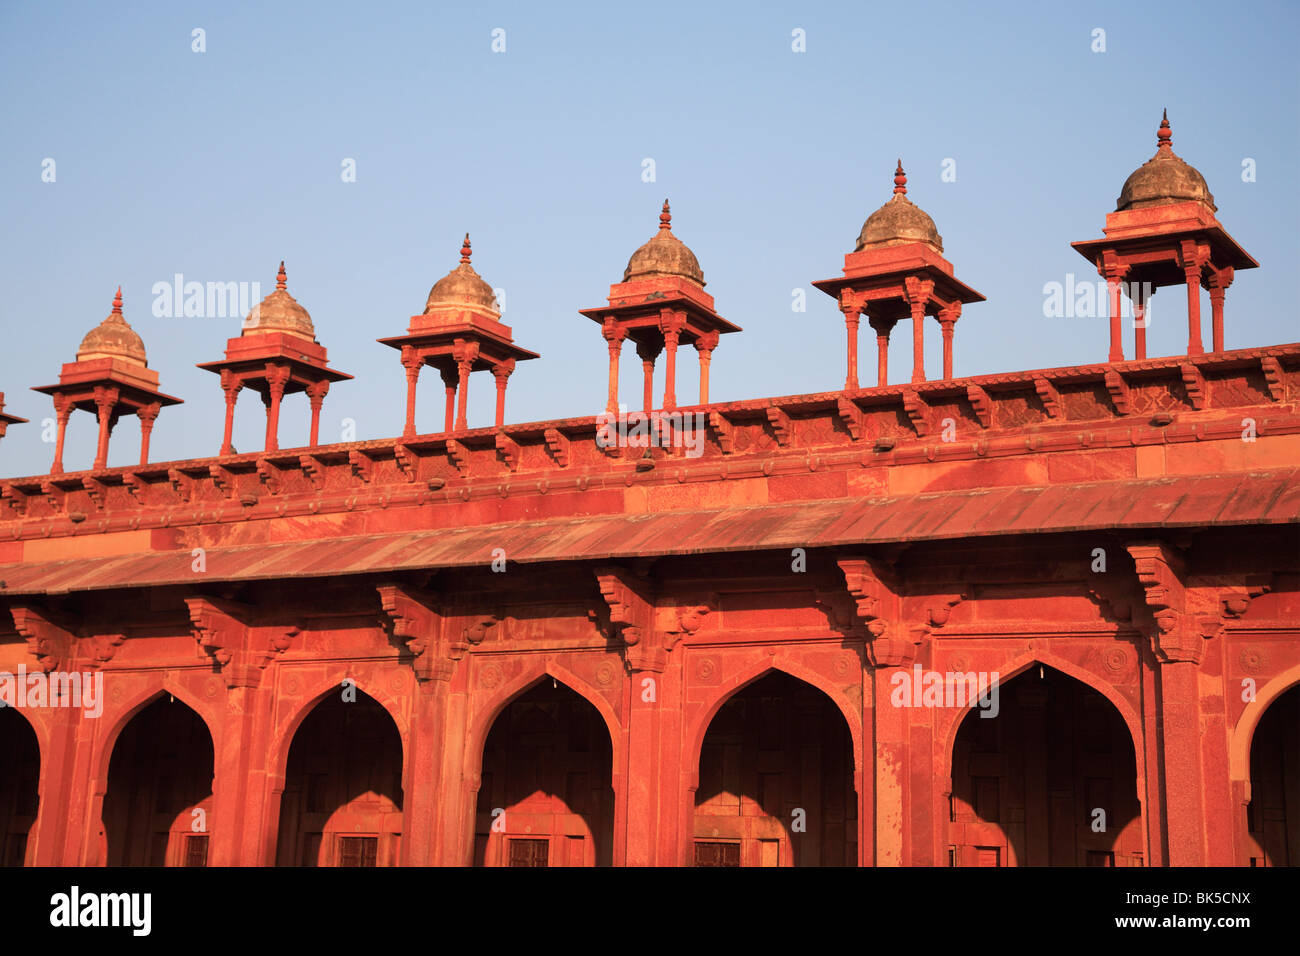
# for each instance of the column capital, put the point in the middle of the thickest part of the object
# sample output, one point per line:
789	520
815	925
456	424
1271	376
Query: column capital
465	352
613	331
917	291
672	322
411	358
106	397
1161	571
1111	267
707	342
503	369
875	590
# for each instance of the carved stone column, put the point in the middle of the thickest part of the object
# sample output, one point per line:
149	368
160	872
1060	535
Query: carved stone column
231	386
277	377
1178	646
106	404
704	346
614	334
316	393
412	362
147	414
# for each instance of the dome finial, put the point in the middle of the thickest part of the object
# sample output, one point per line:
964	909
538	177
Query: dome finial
666	218
1164	135
117	302
465	251
900	180
281	281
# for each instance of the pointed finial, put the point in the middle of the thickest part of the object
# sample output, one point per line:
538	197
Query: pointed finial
281	283
117	302
666	218
1164	135
900	180
465	251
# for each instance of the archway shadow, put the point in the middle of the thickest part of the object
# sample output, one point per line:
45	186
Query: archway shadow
1051	780
546	796
776	780
159	773
1273	814
342	801
20	773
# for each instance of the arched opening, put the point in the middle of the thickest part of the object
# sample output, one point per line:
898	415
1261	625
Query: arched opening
776	780
1273	814
342	801
20	773
546	796
159	798
1050	780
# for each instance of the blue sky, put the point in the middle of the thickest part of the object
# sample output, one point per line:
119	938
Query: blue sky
219	164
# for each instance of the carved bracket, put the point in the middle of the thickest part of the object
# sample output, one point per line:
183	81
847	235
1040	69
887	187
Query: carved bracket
1119	391
240	651
915	407
363	466
1050	397
270	475
48	640
557	443
1161	570
508	449
182	484
631	617
780	423
408	462
1194	382
223	478
1273	377
459	456
414	617
876	595
982	404
96	489
725	431
311	467
852	416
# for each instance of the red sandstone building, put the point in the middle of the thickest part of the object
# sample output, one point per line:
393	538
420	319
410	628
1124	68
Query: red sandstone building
527	645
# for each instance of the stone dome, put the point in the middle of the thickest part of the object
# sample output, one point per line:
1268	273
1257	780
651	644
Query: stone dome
462	286
113	338
280	312
1164	178
664	255
898	221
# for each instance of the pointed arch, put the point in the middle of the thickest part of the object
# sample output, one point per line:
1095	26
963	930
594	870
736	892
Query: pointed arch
481	724
730	687
349	809
158	774
560	810
946	735
282	738
1243	733
20	783
133	707
971	804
